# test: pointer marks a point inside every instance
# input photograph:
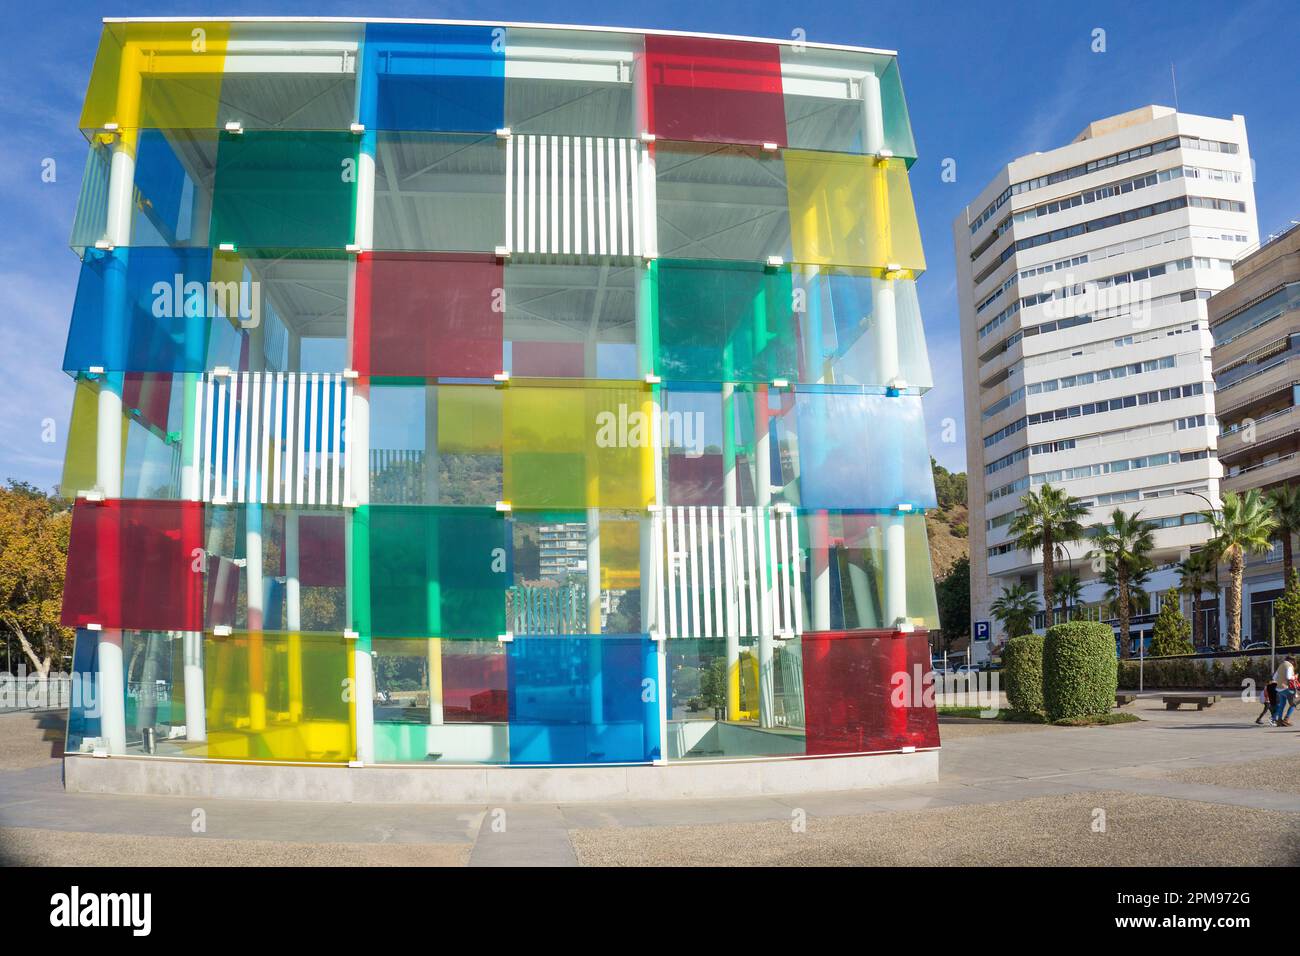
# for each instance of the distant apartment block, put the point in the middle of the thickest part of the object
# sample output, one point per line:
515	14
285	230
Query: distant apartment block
1083	278
1255	323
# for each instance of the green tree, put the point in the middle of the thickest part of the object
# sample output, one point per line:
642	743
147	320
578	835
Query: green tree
34	532
1069	592
1245	525
949	487
1285	502
1286	612
1123	546
1015	610
1197	573
1047	520
953	594
1171	635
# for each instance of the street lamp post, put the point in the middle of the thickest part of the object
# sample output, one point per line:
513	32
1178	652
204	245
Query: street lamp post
1213	510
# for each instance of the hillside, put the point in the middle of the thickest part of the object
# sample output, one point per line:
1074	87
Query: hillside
947	525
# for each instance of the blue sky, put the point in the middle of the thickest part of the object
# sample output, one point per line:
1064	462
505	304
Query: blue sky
985	83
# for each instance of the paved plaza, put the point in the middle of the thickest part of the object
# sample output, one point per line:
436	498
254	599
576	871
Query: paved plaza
1178	788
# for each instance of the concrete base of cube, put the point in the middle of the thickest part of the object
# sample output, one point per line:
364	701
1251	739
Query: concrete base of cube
493	784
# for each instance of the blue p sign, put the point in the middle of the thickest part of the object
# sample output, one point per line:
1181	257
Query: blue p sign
983	631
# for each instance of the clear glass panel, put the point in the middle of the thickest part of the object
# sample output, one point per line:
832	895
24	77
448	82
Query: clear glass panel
438	700
716	708
285	190
437	192
429	315
152	406
852	547
572	321
721	203
570	82
852	211
131	564
548	594
423	571
811	450
424	76
583	700
853	692
715	91
316	602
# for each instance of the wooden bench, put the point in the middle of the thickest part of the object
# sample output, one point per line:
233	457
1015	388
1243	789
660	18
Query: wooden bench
1174	701
1122	699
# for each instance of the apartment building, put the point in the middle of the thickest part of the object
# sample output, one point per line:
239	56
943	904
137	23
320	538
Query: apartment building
1083	278
1255	324
368	309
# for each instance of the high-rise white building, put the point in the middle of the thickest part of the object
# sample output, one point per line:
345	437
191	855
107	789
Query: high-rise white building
1082	276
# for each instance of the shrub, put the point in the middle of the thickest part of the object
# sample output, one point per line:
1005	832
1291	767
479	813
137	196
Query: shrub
1286	612
1022	673
1079	670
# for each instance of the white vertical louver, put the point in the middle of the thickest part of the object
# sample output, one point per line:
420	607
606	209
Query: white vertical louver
729	571
274	438
573	195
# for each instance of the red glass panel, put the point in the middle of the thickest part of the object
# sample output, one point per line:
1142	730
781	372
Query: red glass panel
149	396
715	91
695	481
223	591
131	564
547	359
473	686
426	315
865	691
321	561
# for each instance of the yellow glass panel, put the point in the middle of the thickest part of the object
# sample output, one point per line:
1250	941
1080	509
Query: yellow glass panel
577	446
278	696
469	419
157	75
79	464
851	211
620	555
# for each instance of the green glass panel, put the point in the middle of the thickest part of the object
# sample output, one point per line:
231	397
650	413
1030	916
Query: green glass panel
430	571
731	322
285	190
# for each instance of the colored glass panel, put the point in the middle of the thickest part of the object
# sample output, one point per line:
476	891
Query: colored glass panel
430	571
715	91
80	464
142	310
864	693
852	211
720	202
731	322
131	564
418	76
84	708
583	700
715	709
427	315
439	192
284	190
859	451
853	550
573	446
278	696
163	75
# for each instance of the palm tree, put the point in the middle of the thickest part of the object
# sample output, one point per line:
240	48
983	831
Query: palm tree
1285	501
1015	610
1069	591
1047	520
1198	572
1139	601
1245	525
1123	545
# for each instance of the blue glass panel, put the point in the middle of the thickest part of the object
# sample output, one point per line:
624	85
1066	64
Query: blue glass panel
430	77
169	211
579	699
141	310
859	451
83	712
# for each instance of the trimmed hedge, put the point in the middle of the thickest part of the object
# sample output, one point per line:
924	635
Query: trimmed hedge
1022	673
1079	670
1174	673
